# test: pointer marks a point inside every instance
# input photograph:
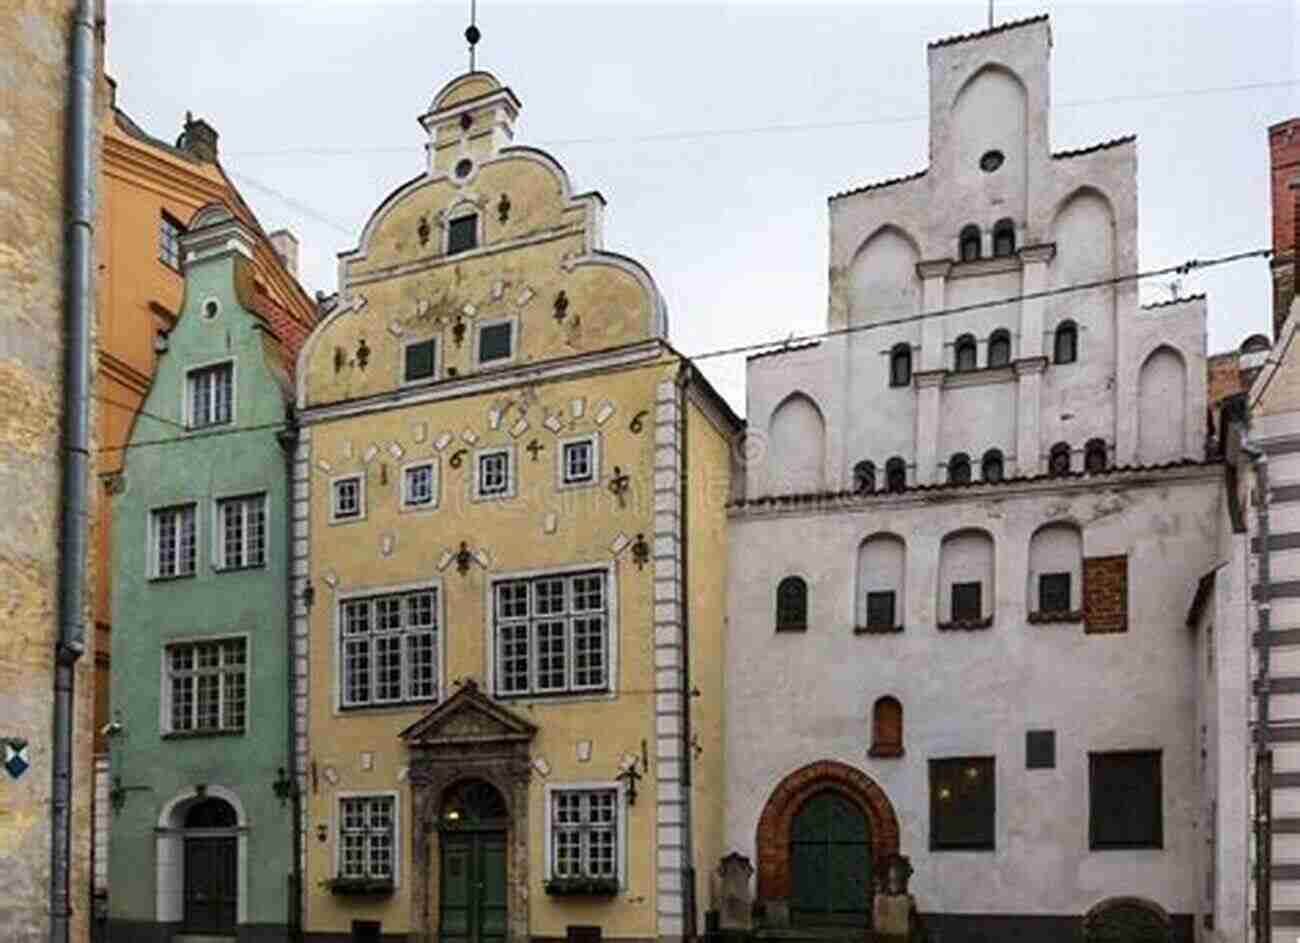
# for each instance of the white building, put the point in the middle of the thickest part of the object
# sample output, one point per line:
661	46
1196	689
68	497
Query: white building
971	532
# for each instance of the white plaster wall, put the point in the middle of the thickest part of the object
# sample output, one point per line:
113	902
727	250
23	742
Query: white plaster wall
794	698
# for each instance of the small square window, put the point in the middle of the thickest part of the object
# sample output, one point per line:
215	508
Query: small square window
962	804
967	602
579	462
349	502
1040	749
1125	800
1054	592
493	474
496	341
880	610
419	486
420	361
462	234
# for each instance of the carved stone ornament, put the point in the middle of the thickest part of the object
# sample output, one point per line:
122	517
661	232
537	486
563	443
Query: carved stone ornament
422	230
503	209
363	354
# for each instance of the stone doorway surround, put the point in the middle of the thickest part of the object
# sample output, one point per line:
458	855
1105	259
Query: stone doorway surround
773	837
468	736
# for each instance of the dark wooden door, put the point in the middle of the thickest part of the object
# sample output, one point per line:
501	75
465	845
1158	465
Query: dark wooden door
472	877
211	891
830	863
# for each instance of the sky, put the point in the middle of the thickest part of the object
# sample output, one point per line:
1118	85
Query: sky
717	131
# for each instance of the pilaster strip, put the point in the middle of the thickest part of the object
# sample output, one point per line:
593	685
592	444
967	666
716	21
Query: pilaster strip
300	579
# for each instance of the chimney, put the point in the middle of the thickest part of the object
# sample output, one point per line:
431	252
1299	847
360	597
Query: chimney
286	247
1284	166
199	138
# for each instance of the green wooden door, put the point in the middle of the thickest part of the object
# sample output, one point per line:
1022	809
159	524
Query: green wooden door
830	863
473	882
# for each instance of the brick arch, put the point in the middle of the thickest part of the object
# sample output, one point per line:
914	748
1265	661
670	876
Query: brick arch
773	838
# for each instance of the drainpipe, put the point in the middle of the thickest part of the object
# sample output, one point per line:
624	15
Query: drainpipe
78	309
688	755
1263	750
288	439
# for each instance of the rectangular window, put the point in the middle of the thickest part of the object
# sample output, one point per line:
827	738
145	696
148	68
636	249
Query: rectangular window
367	838
1125	807
349	498
1054	592
207	686
211	392
420	361
462	234
241	530
496	341
493	474
880	610
1040	749
584	833
419	486
389	648
174	540
552	634
579	462
967	602
962	804
169	241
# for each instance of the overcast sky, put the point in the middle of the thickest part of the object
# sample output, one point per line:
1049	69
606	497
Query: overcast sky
716	132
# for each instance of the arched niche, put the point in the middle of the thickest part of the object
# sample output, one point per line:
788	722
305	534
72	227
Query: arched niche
1055	578
883	282
1162	412
991	113
797	454
965	563
881	598
1083	229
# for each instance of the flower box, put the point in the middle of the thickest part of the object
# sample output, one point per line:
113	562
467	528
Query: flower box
360	887
582	887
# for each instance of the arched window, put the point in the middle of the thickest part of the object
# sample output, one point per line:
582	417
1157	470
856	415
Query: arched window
792	605
991	466
1058	461
1094	456
882	577
864	477
999	348
966	592
1065	349
970	244
900	365
1055	589
964	356
1004	239
959	469
886	727
896	475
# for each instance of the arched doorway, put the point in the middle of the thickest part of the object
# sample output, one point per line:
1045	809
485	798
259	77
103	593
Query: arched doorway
472	875
830	862
211	896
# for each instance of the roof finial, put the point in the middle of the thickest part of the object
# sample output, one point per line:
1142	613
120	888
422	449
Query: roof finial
472	34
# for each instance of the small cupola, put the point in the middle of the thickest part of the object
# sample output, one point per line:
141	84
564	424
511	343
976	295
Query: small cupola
469	121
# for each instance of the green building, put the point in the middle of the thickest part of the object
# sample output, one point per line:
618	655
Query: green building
202	823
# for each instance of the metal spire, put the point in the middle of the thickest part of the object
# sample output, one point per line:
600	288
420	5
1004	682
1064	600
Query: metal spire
473	35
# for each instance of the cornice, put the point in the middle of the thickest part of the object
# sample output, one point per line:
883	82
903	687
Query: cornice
1044	252
114	366
934	268
926	378
1025	365
437	261
954	379
989	266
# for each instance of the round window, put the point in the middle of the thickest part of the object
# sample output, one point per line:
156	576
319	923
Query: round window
211	308
991	161
463	168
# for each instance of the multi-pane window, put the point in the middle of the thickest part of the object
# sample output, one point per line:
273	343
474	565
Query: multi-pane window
389	648
366	837
211	392
495	341
1125	800
420	361
207	686
552	634
169	241
462	234
419	486
493	479
348	498
1054	592
579	461
584	833
967	604
174	540
962	803
241	529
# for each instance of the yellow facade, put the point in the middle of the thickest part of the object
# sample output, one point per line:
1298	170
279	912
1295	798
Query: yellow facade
587	360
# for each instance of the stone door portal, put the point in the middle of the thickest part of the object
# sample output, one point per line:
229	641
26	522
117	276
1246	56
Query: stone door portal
830	863
472	845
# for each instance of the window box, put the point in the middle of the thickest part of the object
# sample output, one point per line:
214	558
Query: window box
582	887
1044	618
359	887
966	625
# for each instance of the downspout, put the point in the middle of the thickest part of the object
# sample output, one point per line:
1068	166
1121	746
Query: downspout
288	439
74	526
688	755
1263	751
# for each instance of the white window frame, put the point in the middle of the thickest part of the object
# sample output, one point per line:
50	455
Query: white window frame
435	483
606	693
361	498
151	541
219	535
165	694
561	481
620	852
511	473
187	404
440	646
337	852
514	341
437	361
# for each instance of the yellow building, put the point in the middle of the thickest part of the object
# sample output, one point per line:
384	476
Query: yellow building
509	509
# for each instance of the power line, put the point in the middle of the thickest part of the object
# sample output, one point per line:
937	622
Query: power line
1277	368
136	409
191	438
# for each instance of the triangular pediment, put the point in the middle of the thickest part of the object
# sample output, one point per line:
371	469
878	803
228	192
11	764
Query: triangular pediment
468	716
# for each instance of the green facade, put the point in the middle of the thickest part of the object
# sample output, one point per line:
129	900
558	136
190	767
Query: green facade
163	773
